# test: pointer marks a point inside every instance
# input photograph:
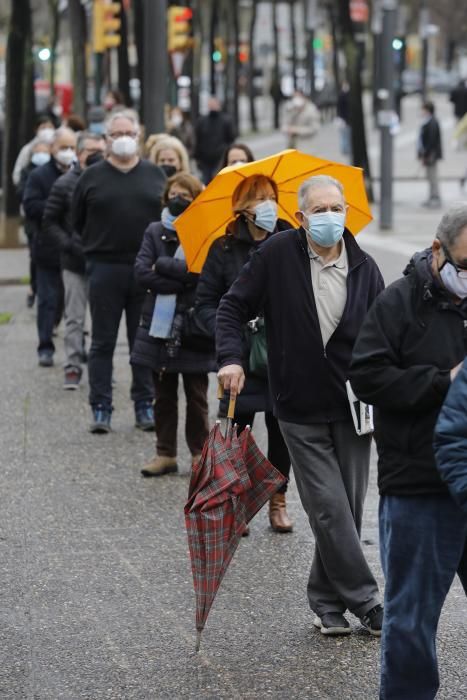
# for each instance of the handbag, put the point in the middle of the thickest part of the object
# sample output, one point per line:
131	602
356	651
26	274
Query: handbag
258	355
195	335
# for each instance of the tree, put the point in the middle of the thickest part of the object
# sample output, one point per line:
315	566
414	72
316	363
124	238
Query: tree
77	17
18	105
353	67
55	24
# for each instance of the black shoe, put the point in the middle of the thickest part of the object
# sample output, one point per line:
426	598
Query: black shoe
373	620
332	624
30	299
101	420
46	359
144	416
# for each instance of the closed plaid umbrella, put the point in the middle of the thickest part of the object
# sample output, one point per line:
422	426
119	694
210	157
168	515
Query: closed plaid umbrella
230	484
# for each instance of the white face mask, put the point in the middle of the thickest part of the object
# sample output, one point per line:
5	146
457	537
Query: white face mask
177	119
452	281
40	158
65	156
46	135
124	147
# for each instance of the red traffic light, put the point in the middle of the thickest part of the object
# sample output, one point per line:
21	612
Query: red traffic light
184	15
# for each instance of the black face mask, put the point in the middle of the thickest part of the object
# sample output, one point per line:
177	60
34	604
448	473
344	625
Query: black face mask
177	205
94	158
169	170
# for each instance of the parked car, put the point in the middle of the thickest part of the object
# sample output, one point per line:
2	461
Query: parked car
438	80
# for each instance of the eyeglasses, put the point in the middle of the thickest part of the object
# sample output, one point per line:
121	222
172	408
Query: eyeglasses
460	269
119	134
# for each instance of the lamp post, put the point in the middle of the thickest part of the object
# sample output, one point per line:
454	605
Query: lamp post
386	112
155	65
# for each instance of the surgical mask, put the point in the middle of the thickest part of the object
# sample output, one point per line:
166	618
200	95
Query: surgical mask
177	205
65	156
177	120
46	135
124	147
167	219
97	127
325	229
266	215
94	158
298	101
169	170
40	158
452	281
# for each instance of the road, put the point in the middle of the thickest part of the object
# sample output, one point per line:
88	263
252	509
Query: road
97	598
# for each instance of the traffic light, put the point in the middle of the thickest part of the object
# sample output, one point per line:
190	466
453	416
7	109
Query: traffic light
179	28
219	52
106	25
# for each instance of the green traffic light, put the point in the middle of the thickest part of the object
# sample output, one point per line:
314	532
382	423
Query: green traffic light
318	43
397	44
216	56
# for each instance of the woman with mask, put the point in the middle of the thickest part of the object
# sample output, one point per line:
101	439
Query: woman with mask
237	154
179	125
162	343
171	155
254	202
40	155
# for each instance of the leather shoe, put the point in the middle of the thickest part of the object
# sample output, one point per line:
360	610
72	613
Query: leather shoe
278	517
159	466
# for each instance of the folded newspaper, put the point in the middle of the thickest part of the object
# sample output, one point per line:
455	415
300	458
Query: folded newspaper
362	413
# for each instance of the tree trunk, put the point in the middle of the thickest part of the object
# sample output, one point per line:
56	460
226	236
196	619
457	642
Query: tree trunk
54	36
276	92
123	62
251	71
212	35
195	65
357	115
232	40
138	16
78	33
293	39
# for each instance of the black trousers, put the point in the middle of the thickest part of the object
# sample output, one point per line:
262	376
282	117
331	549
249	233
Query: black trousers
278	454
112	291
49	288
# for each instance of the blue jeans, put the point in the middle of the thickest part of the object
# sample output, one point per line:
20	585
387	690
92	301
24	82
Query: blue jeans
423	543
49	298
112	291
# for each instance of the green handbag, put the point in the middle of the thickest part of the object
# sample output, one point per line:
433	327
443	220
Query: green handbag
258	357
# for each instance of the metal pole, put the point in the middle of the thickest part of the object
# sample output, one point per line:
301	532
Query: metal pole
311	23
386	113
98	60
376	29
424	22
156	68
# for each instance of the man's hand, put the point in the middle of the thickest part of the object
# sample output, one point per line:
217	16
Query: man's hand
455	371
232	378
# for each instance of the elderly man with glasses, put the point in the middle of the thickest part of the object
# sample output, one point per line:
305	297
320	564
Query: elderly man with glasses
113	204
315	285
409	350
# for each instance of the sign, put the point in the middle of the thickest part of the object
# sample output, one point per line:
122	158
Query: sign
178	59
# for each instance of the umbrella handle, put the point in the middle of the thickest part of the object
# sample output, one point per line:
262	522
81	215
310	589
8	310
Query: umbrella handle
232	401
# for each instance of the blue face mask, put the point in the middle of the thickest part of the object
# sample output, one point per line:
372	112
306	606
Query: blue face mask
266	215
167	219
325	229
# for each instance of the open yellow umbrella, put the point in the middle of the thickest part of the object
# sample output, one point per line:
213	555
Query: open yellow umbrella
208	216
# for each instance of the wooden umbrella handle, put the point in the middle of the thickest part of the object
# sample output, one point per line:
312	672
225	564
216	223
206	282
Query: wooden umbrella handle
232	401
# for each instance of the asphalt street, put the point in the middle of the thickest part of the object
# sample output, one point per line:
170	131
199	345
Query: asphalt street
96	591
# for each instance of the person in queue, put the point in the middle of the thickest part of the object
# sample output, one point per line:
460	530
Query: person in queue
170	154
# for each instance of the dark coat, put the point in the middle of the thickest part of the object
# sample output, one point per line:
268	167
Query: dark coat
225	260
57	224
29	224
156	270
213	134
411	339
37	190
429	147
451	439
307	381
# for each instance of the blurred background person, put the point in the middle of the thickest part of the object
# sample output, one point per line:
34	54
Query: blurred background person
57	225
161	343
343	120
254	203
47	257
113	203
39	155
430	151
236	154
75	122
114	101
180	126
301	120
45	131
96	120
170	154
214	132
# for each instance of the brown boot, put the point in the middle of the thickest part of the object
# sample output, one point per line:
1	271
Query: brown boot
280	521
159	466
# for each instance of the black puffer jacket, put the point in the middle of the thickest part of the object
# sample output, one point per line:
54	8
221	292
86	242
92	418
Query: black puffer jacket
412	337
157	270
38	186
225	260
56	223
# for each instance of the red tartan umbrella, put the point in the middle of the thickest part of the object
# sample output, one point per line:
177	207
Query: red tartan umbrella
230	484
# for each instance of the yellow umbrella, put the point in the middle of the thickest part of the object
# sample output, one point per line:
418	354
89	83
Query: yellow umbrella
208	216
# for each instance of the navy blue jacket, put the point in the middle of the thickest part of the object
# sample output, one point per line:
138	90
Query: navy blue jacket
37	190
307	382
451	439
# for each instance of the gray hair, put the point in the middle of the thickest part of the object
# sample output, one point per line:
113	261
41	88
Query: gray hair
129	114
62	131
453	222
314	183
87	136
